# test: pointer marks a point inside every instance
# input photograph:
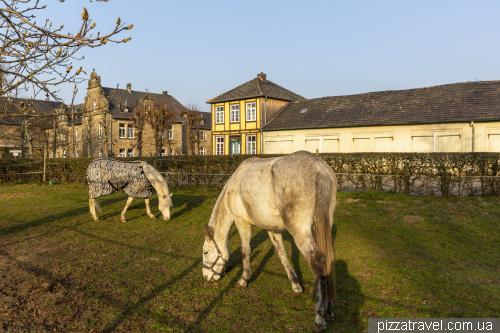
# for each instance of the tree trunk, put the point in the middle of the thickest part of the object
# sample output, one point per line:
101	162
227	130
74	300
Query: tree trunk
189	143
158	143
168	149
139	142
22	138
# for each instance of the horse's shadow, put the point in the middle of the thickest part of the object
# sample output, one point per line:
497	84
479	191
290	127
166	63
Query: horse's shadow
349	295
54	218
182	204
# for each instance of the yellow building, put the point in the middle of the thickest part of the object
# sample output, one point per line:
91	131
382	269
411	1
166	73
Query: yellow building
239	114
460	117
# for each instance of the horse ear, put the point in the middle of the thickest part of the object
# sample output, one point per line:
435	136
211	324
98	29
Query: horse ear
209	232
171	194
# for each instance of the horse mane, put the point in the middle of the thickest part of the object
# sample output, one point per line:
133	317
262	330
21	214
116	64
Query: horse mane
155	178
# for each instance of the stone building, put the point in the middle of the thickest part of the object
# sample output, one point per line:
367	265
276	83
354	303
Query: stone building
35	135
103	125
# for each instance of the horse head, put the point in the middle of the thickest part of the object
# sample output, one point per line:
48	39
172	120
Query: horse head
165	204
214	260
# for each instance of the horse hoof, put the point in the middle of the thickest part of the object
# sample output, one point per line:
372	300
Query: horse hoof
153	217
243	283
96	220
123	220
329	317
318	328
297	289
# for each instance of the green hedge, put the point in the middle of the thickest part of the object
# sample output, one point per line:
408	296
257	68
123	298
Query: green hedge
410	173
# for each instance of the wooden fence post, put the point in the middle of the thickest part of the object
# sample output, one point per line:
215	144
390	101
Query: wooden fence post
44	165
317	152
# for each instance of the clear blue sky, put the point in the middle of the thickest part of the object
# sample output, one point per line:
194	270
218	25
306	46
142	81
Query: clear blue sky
197	50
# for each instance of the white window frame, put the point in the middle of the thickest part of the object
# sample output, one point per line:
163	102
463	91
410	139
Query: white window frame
130	153
219	114
76	135
100	131
94	106
202	151
163	152
77	153
202	136
129	129
100	153
171	133
122	130
123	152
234	113
251	145
219	145
251	111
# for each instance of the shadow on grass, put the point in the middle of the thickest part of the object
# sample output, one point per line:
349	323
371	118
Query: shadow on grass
349	301
53	218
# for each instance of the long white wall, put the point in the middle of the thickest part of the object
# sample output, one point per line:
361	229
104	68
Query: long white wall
449	137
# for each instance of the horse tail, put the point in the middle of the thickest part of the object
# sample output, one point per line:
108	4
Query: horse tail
97	207
322	227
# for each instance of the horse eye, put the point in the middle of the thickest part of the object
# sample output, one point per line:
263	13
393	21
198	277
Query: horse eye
205	252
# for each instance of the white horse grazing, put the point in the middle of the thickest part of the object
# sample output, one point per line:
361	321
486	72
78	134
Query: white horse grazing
137	179
295	193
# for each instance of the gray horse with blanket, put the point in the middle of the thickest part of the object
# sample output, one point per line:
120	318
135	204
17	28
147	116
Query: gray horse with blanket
136	179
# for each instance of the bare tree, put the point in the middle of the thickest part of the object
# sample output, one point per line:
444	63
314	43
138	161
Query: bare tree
38	57
192	120
139	122
35	58
160	116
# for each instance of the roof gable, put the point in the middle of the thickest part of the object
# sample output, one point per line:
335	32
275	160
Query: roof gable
257	87
121	98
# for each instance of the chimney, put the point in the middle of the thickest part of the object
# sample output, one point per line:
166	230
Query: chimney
165	93
262	76
129	87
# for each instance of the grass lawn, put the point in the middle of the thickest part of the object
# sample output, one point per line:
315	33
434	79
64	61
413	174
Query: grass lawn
396	257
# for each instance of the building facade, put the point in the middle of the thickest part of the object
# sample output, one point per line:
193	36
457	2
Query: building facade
239	114
104	125
460	117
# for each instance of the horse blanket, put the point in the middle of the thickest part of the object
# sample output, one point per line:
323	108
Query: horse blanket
105	176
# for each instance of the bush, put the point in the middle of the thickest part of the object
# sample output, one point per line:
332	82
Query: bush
410	173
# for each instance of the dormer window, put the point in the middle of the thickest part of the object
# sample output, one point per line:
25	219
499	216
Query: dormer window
126	110
202	122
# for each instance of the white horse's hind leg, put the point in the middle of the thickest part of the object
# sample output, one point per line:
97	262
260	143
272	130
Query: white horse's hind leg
316	259
279	247
148	210
129	201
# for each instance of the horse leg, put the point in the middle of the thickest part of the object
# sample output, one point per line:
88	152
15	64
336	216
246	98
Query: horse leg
279	247
92	209
129	201
245	230
317	261
148	211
